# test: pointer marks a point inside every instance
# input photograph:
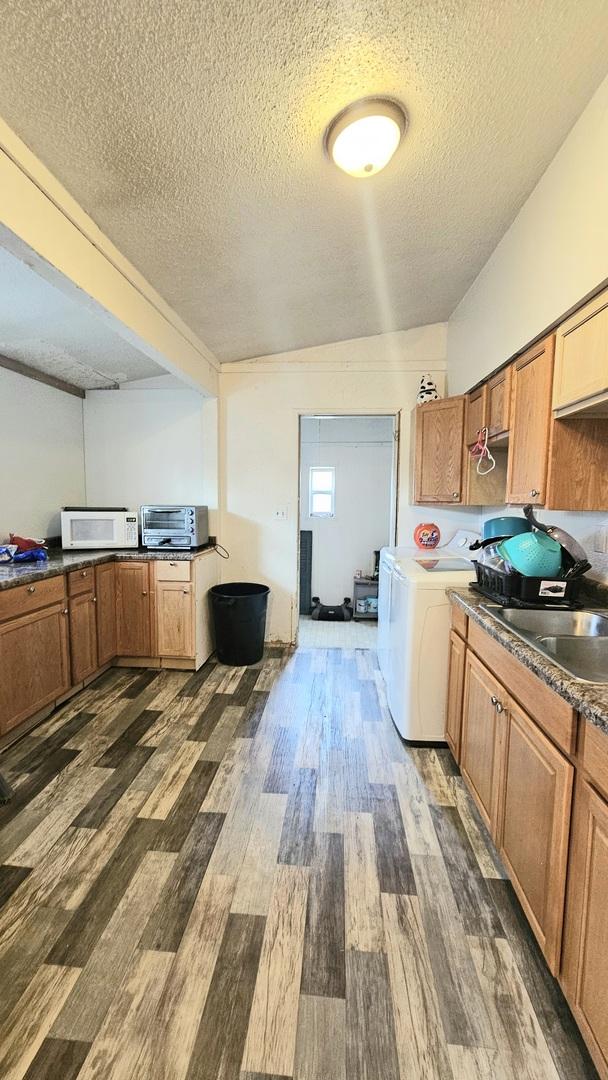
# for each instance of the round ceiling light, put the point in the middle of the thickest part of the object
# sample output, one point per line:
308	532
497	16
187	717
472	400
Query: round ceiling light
362	138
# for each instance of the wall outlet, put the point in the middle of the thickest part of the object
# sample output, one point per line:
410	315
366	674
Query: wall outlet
600	540
280	515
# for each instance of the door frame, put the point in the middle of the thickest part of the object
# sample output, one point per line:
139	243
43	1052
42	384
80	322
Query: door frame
325	414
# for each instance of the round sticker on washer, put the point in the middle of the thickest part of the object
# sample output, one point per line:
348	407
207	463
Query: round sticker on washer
427	535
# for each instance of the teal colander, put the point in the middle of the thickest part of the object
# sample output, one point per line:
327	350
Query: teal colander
533	554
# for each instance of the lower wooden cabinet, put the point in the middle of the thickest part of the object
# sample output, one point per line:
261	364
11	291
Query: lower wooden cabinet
534	825
34	663
83	636
133	609
482	711
175	619
455	690
585	959
105	591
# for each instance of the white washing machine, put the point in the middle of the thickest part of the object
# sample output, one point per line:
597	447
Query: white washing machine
414	631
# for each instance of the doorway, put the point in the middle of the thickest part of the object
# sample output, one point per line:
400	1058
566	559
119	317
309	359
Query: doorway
347	513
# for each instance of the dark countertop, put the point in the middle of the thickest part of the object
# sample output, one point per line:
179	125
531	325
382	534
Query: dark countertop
60	562
589	699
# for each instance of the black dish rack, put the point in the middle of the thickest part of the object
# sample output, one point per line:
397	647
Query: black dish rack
515	590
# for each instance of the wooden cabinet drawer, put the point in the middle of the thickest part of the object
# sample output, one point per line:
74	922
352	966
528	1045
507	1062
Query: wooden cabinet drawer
172	571
547	708
460	621
594	755
25	598
81	581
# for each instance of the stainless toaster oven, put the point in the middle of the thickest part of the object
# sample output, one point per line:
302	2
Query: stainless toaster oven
174	526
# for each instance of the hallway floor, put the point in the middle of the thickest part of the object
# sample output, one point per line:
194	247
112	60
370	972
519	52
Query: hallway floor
356	634
243	874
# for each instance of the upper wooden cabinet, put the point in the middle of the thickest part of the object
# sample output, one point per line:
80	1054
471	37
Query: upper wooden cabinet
438	472
133	609
498	407
530	425
475	416
581	357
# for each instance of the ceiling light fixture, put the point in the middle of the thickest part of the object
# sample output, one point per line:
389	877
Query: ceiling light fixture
362	139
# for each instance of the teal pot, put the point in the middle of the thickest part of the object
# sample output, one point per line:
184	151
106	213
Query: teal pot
500	527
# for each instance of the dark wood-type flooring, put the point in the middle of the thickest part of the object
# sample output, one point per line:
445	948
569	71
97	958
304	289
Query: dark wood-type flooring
243	874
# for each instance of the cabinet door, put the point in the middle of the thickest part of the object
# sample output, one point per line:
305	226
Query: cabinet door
581	354
133	617
438	476
175	615
475	414
105	591
34	663
530	425
499	403
482	723
453	718
585	961
83	636
534	824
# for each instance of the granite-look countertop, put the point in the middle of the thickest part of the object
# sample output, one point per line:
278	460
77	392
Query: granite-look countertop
590	699
61	562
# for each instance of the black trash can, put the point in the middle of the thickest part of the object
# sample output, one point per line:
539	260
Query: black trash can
239	619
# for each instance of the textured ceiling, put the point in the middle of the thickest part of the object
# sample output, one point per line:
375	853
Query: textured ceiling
191	131
49	332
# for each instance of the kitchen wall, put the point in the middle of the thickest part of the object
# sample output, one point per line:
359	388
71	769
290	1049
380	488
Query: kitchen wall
42	467
151	444
260	405
360	449
553	255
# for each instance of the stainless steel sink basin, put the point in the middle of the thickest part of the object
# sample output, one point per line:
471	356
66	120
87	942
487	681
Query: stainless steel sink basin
577	641
547	622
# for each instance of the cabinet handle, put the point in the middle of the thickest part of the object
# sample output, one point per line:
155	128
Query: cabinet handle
499	707
83	573
185	591
93	599
494	700
144	593
455	494
172	564
534	493
31	588
65	611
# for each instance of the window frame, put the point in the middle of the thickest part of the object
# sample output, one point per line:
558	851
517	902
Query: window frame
312	491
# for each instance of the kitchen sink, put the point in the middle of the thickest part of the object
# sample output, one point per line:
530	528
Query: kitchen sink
546	622
577	641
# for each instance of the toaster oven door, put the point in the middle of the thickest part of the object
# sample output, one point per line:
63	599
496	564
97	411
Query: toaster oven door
167	520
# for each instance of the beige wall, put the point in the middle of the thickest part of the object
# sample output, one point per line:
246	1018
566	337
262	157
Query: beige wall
260	405
554	254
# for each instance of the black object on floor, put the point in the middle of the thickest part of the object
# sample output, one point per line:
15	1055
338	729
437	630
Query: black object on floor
305	571
328	613
6	791
239	619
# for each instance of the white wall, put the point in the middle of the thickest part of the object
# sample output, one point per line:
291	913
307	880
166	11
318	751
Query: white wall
360	449
42	467
260	405
150	445
554	254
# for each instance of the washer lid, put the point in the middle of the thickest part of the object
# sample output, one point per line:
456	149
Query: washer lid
436	566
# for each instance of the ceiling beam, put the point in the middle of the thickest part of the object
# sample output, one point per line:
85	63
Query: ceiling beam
40	376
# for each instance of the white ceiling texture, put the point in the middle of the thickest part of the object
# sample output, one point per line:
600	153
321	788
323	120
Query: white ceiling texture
191	132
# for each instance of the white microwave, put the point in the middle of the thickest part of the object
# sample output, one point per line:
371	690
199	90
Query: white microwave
99	527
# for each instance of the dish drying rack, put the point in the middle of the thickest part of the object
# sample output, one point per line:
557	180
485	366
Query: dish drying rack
515	590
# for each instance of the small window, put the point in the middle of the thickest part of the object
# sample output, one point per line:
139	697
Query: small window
322	488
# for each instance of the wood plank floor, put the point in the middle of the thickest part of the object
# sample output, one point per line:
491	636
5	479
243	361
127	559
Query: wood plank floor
244	874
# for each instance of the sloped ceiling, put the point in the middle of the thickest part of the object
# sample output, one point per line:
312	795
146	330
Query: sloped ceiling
44	329
192	134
